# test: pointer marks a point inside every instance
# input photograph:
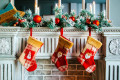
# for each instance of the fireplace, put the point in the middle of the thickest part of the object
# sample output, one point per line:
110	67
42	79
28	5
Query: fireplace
14	39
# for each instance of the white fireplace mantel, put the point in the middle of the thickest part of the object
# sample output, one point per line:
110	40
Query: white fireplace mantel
14	39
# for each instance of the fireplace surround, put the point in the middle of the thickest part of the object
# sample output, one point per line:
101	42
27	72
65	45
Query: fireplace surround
13	41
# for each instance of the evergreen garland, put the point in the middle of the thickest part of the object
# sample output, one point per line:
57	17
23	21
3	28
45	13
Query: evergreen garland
84	20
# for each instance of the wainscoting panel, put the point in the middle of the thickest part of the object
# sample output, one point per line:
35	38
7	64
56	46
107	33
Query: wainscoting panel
7	70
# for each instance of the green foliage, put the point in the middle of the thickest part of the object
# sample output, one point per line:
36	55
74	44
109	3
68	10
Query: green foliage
72	13
67	15
65	20
51	24
11	23
103	22
17	15
84	15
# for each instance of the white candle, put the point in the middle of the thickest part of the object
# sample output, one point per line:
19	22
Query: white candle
59	3
38	10
91	8
83	4
56	5
94	7
36	6
104	12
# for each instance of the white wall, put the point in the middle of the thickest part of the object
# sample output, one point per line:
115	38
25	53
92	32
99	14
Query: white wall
114	12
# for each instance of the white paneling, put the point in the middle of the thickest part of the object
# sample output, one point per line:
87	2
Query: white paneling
66	8
97	9
6	67
113	70
5	72
9	72
1	71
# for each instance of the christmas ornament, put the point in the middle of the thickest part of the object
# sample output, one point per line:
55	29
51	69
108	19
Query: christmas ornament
72	18
86	57
88	21
7	14
59	56
27	58
96	22
57	20
37	18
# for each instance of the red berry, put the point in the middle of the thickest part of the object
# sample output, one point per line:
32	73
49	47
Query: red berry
88	21
96	22
19	20
16	23
37	19
23	20
57	20
72	18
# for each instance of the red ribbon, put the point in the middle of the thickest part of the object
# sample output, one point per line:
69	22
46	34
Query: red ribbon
61	31
89	31
30	31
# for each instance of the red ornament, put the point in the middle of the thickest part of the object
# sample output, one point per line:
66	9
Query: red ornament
57	20
37	19
96	22
88	21
72	18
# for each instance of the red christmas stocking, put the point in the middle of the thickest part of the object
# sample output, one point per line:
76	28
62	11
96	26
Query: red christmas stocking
59	56
27	58
86	57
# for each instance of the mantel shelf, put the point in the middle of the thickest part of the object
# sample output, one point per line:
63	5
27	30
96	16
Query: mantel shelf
105	30
66	29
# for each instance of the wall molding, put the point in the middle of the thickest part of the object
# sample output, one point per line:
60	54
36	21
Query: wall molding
46	29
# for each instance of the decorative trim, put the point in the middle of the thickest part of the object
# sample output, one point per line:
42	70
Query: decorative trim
9	29
5	46
46	29
111	29
114	47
